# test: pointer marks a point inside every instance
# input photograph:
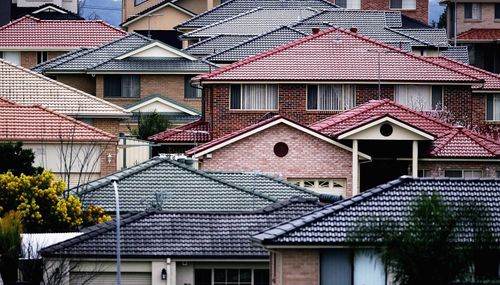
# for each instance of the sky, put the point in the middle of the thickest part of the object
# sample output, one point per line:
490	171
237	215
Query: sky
110	10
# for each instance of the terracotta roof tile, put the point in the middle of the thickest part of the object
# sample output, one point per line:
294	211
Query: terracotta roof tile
186	133
479	35
29	32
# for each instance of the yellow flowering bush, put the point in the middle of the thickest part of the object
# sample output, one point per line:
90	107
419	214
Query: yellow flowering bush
41	205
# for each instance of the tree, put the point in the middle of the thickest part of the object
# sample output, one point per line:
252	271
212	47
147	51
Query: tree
437	244
149	124
17	160
10	246
441	24
39	201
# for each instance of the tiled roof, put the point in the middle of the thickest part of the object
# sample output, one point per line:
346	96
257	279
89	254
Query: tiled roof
410	23
155	65
36	123
232	8
333	224
174	186
311	58
452	142
215	44
26	87
31	33
183	234
491	80
258	44
479	35
434	37
264	184
197	131
458	53
44	12
253	22
161	97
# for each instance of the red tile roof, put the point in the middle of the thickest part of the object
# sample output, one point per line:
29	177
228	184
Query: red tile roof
36	123
336	55
491	80
192	132
480	35
450	141
29	32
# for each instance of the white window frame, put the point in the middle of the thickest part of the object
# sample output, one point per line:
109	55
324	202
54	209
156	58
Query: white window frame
254	110
352	4
496	112
345	108
405	5
476	7
406	87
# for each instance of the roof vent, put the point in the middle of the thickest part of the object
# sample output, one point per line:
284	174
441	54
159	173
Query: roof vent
315	30
354	29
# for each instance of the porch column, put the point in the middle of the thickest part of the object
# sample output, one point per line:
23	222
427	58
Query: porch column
355	168
414	159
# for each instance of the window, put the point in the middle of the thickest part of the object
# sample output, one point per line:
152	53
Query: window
254	97
349	4
41	56
420	97
472	11
498	173
463	173
137	2
232	276
330	97
124	86
424	173
327	186
493	107
497	11
11	56
190	92
403	4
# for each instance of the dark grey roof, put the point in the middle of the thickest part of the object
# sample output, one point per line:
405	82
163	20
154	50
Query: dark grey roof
253	22
458	53
183	234
174	186
232	8
258	44
215	44
410	23
434	37
332	224
265	184
102	59
46	65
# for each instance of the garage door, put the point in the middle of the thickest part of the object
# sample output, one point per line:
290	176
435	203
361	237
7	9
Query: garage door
109	278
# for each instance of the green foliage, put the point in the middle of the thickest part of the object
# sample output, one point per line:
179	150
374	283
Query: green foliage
39	201
425	250
10	246
17	160
149	124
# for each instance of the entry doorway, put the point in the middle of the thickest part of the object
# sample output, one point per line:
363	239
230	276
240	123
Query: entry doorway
380	171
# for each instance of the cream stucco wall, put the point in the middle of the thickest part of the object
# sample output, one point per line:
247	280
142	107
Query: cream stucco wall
167	19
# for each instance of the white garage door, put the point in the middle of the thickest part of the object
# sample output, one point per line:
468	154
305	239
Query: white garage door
110	278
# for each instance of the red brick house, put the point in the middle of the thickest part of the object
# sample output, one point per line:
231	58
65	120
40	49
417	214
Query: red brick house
335	70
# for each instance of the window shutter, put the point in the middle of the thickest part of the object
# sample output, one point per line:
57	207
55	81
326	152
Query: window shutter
235	96
312	97
437	97
489	107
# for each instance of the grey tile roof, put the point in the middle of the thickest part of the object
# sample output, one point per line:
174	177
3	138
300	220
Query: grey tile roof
179	187
232	8
59	59
332	224
215	44
434	37
183	234
265	184
258	44
458	53
253	22
155	65
306	27
410	23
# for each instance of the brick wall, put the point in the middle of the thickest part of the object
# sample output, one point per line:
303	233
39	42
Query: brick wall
458	101
106	149
171	86
109	125
308	157
487	20
52	54
438	168
421	13
28	59
295	267
83	82
365	93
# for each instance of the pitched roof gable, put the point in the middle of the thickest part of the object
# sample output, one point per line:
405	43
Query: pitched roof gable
311	59
154	8
461	142
156	98
156	49
52	94
29	32
194	132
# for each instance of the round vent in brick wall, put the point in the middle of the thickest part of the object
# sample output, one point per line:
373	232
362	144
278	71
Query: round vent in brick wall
281	149
386	130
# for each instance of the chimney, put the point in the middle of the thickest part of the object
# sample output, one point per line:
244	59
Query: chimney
354	29
315	30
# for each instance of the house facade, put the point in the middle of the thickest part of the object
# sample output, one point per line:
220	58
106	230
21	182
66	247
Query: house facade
29	41
415	9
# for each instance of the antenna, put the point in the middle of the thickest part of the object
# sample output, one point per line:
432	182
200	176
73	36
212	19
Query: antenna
149	20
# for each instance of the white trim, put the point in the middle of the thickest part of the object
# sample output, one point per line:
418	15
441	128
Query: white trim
274	123
160	45
383	120
163	101
50	7
371	82
187	12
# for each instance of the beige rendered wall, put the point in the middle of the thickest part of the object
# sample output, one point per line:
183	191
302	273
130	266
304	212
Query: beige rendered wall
167	19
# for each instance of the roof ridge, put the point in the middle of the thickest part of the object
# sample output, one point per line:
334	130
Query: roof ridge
204	13
23	18
182	127
371	107
450	135
408	36
467	65
64	85
476	138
